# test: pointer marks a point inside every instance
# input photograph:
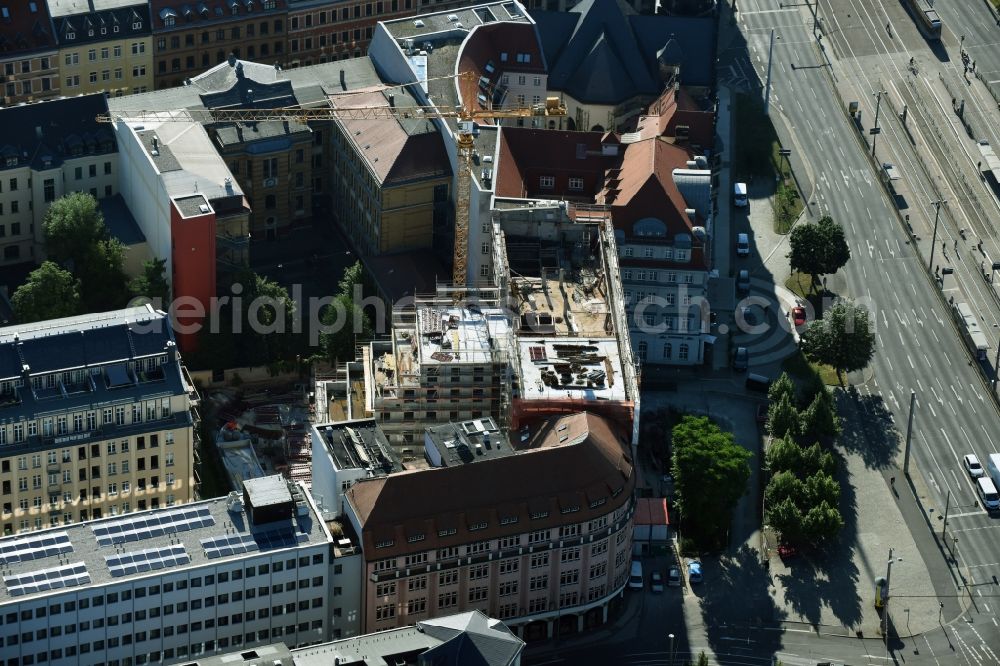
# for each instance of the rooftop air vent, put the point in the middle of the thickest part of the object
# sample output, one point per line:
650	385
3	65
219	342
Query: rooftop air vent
452	18
418	24
203	208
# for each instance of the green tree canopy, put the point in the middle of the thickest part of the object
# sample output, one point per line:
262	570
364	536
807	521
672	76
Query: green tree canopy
819	420
50	292
782	386
785	485
77	239
786	518
784	455
783	418
152	283
843	338
816	460
821	523
822	488
351	324
705	457
268	314
818	248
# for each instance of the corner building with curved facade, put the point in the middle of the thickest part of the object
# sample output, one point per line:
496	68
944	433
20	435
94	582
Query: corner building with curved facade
534	535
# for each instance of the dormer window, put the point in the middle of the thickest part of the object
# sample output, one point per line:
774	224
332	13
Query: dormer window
11	161
169	21
270	4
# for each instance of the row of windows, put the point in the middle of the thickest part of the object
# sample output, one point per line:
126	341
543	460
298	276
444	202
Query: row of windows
235	33
346	14
170	19
106	53
24	66
29	87
158	656
683	351
647	252
668	277
522	80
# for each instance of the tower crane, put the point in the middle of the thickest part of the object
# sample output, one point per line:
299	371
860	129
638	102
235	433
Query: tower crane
465	115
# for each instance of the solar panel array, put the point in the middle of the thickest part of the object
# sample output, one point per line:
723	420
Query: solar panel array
231	544
141	561
35	547
153	525
69	575
234	544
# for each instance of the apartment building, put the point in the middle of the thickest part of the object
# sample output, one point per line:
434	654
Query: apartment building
656	193
391	176
554	547
174	584
191	37
47	150
327	30
29	67
345	452
104	46
97	419
444	362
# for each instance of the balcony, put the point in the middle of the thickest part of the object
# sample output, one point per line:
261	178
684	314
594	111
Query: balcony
52	467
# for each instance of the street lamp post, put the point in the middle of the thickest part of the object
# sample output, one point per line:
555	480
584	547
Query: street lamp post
947	505
671	636
875	131
937	215
909	427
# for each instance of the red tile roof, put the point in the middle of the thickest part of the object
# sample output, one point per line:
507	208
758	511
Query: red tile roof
528	154
589	474
651	511
23	30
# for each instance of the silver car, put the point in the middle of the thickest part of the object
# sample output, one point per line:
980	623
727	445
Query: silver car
972	466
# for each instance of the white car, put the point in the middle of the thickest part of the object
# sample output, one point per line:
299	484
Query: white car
972	466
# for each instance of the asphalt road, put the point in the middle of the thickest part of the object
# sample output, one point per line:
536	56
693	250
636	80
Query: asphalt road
973	20
918	348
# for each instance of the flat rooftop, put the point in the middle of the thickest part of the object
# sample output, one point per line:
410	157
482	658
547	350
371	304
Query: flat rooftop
358	444
468	441
445	335
125	548
571	368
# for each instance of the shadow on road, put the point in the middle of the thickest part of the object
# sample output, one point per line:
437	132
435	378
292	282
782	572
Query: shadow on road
737	593
829	578
868	428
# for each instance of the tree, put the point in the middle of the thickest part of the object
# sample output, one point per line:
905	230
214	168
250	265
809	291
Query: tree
72	224
152	283
49	293
705	457
785	485
784	455
77	239
267	316
821	488
818	248
843	338
349	321
782	386
786	518
819	420
816	460
702	659
821	523
782	418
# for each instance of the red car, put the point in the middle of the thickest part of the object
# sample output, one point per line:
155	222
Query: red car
798	316
787	552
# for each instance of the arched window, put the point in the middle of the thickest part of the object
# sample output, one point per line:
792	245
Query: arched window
683	352
668	351
642	350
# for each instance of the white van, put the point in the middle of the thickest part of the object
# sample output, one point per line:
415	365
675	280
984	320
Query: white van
987	492
740	195
742	245
635	578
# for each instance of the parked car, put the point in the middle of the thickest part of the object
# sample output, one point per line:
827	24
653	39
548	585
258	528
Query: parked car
635	578
656	582
741	359
742	245
743	281
786	552
748	315
972	466
694	572
674	577
798	316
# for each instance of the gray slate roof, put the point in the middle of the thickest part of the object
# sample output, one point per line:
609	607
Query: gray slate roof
43	135
602	52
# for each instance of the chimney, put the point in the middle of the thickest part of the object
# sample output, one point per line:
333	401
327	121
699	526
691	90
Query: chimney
343	80
232	59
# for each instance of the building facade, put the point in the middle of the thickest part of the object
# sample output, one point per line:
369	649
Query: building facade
104	46
175	584
48	150
97	419
325	30
553	547
190	38
29	66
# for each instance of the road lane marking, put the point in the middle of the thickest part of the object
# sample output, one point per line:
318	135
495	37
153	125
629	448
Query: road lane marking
908	358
